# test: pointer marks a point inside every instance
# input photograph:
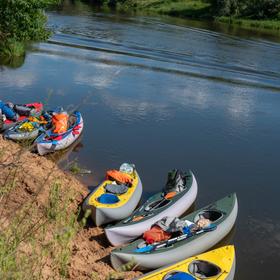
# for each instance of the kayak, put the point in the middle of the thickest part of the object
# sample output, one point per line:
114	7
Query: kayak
49	142
222	213
34	109
155	208
108	207
27	130
218	264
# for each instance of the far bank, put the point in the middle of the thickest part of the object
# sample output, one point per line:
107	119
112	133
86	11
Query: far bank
261	17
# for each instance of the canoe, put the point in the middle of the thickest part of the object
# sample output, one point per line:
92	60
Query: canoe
218	264
49	142
155	208
37	110
103	213
222	213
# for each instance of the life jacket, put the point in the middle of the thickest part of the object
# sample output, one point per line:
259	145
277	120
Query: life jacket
119	177
60	122
155	234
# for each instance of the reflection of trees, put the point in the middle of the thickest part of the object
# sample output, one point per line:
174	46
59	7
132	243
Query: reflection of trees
13	61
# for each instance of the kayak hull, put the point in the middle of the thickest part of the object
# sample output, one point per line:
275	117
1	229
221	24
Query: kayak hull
45	144
104	215
8	123
223	258
123	233
15	135
182	249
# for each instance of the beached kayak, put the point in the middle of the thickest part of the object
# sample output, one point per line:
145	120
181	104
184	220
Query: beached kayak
107	207
222	213
28	129
23	112
49	142
156	207
218	264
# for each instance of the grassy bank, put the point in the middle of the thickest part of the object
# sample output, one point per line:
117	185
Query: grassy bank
180	8
250	23
42	233
196	9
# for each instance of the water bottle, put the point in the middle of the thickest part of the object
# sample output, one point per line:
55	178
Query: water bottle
127	168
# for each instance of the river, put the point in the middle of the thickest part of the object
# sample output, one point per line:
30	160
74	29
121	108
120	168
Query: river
165	93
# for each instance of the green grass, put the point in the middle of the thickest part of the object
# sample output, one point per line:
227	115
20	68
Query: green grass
196	9
180	8
249	23
12	48
33	238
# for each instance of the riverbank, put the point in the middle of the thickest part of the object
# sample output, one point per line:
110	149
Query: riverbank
194	9
41	234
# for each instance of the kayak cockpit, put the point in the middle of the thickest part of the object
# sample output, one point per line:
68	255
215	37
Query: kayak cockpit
203	269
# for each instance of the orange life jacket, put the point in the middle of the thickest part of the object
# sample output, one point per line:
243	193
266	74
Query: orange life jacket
118	176
155	234
60	122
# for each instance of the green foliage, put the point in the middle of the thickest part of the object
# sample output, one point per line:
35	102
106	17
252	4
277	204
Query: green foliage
22	21
262	9
255	9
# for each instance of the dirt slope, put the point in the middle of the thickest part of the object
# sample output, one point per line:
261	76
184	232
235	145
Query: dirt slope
29	179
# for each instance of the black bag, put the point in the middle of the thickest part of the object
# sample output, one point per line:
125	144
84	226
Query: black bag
23	110
176	181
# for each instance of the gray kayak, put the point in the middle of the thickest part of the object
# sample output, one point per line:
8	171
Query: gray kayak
103	213
222	213
16	134
155	208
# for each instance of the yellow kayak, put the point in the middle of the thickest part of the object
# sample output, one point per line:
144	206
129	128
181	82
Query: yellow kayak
107	207
216	264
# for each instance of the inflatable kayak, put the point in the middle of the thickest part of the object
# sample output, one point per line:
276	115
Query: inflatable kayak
218	264
222	214
22	112
173	203
50	142
28	129
113	202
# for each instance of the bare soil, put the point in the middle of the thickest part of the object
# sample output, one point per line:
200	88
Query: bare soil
33	176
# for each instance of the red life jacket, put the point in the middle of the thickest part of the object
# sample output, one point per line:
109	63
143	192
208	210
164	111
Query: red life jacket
155	234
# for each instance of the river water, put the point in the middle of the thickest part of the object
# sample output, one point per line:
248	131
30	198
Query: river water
165	93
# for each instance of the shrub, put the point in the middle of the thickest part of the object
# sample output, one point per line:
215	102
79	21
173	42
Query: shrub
22	21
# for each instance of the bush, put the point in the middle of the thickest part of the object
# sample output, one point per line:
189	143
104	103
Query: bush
256	9
22	21
262	9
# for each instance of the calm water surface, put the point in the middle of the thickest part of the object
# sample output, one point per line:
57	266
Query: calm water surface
165	93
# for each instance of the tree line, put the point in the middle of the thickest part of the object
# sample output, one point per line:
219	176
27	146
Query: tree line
252	9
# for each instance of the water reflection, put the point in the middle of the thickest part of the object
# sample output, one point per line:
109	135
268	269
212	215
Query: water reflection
166	93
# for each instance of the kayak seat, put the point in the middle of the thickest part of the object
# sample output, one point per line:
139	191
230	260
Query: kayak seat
203	269
178	275
108	198
116	189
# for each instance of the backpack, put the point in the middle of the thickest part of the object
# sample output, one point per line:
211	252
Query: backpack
176	181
